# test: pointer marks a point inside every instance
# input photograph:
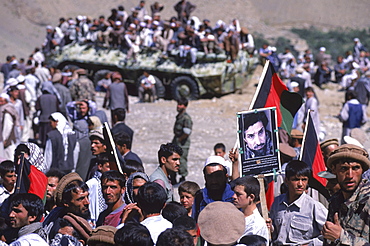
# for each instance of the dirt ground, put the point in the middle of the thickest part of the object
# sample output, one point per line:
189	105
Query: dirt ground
214	121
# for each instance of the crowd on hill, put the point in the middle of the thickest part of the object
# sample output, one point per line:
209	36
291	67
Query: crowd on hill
62	184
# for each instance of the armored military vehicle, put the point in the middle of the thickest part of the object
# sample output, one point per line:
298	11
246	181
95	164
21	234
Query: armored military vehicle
212	75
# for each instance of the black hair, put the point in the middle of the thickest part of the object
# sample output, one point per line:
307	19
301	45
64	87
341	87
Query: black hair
189	187
121	8
183	101
253	118
72	187
253	240
103	158
53	172
175	237
173	210
121	138
133	234
219	146
114	175
151	197
21	148
251	186
184	223
132	166
120	113
309	89
168	149
297	168
350	94
64	223
6	167
31	202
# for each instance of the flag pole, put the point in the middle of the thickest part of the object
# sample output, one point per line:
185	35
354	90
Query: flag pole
113	151
259	84
20	175
304	134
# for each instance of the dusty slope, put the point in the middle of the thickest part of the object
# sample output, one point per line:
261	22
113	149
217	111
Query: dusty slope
23	21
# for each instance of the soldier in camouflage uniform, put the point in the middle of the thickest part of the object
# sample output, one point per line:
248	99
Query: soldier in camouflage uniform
349	210
182	131
82	88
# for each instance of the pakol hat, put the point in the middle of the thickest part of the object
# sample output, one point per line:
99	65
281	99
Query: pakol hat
96	133
349	151
295	133
80	225
210	223
328	142
64	181
287	150
103	234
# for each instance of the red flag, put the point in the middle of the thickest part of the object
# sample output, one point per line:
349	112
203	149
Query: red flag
31	180
270	194
311	154
272	92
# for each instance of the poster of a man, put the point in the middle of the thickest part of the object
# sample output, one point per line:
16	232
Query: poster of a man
256	137
258	141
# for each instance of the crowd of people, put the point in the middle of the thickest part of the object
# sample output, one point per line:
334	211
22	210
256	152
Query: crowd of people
61	184
137	29
319	69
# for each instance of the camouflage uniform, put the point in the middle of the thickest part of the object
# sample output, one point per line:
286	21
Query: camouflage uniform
82	88
183	120
354	215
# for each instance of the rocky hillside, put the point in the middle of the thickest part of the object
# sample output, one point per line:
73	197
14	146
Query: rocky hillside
23	22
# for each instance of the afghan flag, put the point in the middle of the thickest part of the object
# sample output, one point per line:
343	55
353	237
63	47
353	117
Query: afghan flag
311	154
31	180
272	92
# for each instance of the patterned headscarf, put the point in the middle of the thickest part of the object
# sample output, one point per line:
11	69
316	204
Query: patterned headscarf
129	193
36	158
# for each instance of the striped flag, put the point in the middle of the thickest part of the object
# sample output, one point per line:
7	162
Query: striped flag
311	154
272	92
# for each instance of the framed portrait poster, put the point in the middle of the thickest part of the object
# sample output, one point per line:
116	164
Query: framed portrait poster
258	141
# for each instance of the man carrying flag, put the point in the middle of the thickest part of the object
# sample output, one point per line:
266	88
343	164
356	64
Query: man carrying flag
30	179
272	92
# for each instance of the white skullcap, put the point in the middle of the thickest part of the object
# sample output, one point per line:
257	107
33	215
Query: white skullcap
21	78
5	96
12	82
323	49
215	159
294	84
147	17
